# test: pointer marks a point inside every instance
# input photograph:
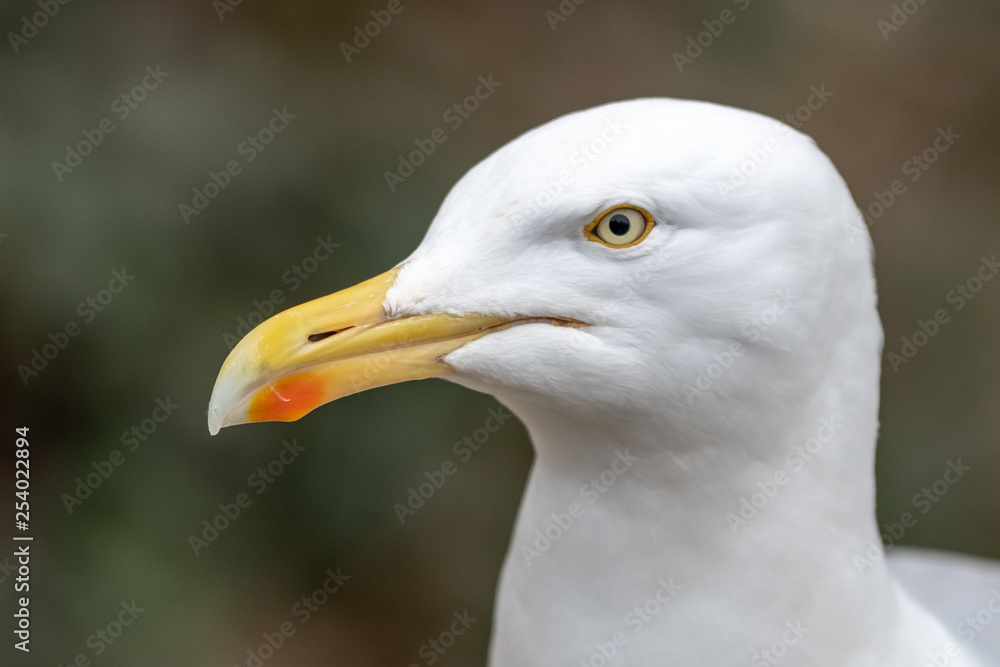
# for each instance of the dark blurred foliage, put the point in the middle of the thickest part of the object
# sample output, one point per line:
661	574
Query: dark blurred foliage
163	335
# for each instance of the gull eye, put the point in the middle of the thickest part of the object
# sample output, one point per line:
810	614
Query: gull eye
620	227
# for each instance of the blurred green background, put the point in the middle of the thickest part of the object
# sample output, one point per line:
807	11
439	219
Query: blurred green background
162	337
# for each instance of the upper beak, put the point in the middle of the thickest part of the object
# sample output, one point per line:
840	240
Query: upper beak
332	347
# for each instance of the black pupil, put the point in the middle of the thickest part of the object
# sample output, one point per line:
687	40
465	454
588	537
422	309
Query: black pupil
619	224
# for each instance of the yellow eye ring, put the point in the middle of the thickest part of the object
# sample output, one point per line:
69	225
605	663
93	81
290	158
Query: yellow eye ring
622	226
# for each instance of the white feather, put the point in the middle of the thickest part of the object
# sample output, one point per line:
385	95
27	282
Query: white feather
741	331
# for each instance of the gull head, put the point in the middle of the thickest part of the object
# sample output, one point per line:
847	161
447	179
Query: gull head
650	257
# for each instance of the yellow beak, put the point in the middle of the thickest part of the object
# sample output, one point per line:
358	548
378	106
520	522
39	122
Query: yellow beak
335	346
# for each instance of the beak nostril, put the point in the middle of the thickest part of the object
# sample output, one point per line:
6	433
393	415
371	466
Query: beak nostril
316	337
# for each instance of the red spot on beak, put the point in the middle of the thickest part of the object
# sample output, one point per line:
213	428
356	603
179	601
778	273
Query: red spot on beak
287	399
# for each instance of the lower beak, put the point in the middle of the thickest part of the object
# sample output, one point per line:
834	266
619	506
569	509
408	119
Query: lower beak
332	347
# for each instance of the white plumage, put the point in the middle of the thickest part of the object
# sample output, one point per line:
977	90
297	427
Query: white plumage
703	492
743	327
